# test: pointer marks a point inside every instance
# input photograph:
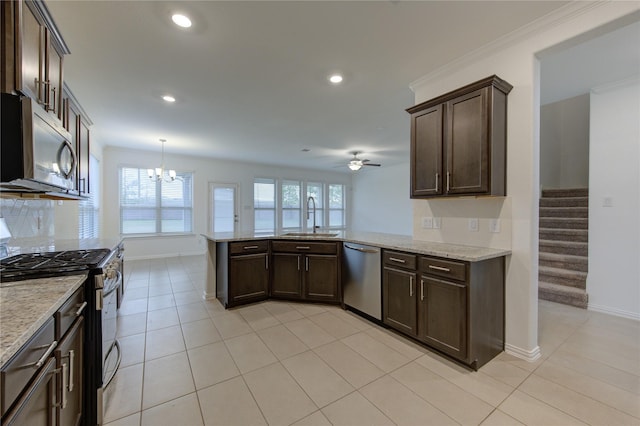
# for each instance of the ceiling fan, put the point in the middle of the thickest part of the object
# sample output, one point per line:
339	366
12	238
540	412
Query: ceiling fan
356	164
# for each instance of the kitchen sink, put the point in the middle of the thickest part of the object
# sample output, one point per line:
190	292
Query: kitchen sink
310	234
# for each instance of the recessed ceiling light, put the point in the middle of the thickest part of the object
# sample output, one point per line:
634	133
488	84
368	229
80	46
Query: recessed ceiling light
335	78
181	20
169	98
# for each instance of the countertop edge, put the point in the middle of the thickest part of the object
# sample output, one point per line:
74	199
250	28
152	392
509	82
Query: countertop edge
12	349
403	243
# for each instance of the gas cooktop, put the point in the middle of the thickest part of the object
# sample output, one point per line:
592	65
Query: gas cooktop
42	265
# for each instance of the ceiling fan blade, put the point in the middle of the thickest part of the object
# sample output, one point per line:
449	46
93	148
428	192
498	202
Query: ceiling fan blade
371	164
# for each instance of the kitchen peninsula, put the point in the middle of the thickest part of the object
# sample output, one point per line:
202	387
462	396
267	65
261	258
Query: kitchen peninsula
447	296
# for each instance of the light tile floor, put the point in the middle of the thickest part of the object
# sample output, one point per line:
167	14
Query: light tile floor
189	362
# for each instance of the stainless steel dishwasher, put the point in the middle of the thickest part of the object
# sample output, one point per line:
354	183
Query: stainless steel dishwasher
361	281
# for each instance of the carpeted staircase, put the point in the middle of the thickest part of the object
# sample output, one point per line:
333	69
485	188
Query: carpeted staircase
563	249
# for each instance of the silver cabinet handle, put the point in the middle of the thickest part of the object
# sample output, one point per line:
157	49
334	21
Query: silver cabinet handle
448	180
249	247
72	357
303	248
80	309
411	286
437	176
439	268
49	107
44	356
65	384
421	290
395	259
298	263
99	299
266	262
306	263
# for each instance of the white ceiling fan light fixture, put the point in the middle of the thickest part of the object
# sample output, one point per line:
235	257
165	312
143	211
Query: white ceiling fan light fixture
168	98
336	78
356	163
181	20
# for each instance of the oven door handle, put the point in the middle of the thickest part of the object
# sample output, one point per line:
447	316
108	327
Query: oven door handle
118	282
107	380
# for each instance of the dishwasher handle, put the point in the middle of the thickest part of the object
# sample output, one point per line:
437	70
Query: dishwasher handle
362	250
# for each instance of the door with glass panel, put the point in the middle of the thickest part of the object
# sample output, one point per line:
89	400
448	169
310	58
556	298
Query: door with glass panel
223	207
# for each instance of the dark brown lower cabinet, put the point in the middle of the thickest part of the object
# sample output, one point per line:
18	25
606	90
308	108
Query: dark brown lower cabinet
305	270
456	307
443	315
242	272
37	405
69	361
399	300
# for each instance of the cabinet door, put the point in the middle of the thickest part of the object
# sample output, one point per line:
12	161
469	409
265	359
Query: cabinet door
467	144
443	315
69	359
83	157
426	152
399	296
37	405
31	59
321	277
286	277
53	78
248	278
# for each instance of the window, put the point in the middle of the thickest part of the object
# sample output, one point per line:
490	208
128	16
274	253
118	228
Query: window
291	205
89	209
336	206
315	190
264	204
148	206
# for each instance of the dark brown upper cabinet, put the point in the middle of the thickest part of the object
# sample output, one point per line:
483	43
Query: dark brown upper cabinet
458	141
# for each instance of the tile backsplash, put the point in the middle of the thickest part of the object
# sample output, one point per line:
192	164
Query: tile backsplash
28	218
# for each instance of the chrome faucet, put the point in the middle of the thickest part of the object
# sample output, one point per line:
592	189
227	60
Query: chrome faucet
313	201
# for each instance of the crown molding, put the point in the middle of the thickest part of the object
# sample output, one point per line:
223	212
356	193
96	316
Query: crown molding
551	20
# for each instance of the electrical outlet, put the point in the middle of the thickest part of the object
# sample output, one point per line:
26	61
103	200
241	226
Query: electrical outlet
494	226
473	225
427	222
437	222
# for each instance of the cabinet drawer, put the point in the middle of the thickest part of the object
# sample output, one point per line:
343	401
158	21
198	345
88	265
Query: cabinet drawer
248	247
304	247
397	259
22	367
67	313
444	268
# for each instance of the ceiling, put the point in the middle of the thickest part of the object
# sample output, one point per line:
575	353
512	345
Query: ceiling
250	78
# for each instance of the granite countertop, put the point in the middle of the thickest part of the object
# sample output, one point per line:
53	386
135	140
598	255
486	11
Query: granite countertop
26	305
386	241
40	245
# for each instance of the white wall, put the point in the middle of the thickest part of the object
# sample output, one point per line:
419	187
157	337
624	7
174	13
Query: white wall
380	200
514	59
564	143
613	283
205	170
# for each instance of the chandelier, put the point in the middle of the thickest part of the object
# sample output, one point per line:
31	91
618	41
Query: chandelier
159	173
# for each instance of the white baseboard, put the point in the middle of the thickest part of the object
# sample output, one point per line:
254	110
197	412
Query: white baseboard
613	311
208	296
164	256
524	354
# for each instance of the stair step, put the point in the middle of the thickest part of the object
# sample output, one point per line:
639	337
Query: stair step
564	247
564	202
564	261
566	192
563	277
577	212
562	294
581	235
564	223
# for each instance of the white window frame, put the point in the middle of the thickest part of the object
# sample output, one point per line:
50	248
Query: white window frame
274	208
143	173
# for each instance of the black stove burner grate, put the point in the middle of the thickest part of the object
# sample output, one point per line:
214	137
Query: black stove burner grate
41	265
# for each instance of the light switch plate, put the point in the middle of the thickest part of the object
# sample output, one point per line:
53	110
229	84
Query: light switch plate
473	225
427	222
494	226
437	222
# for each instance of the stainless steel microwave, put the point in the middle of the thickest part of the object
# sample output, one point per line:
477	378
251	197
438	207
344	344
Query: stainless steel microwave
37	152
